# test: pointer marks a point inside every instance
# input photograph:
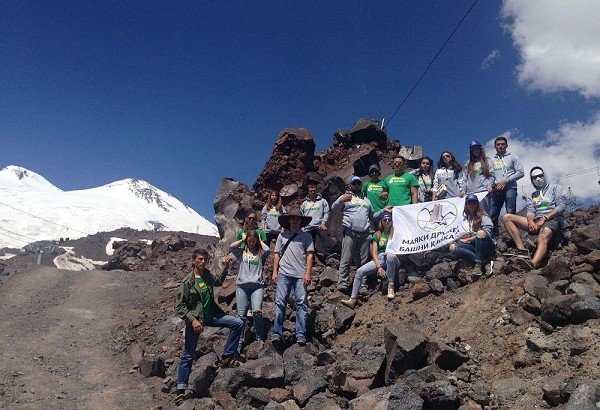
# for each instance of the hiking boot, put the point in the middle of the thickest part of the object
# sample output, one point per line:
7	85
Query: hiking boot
488	269
477	270
390	293
350	302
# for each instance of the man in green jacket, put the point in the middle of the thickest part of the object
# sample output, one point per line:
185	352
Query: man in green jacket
196	306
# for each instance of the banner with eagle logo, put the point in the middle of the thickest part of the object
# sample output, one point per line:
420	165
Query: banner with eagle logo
429	225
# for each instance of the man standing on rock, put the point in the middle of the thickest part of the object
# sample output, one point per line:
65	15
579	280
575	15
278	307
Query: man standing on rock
402	187
317	208
292	269
508	169
196	306
357	217
373	189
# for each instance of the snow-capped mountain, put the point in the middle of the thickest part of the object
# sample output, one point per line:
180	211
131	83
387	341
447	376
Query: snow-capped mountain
32	209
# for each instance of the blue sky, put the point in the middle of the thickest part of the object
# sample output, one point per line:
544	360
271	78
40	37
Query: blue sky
183	93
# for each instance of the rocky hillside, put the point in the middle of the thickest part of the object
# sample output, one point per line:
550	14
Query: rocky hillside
520	339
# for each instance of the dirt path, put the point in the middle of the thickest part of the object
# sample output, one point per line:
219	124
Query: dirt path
56	332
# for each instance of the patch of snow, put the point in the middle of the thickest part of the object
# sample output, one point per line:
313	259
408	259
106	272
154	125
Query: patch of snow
70	261
7	256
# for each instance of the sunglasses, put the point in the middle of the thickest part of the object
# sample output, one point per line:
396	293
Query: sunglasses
539	176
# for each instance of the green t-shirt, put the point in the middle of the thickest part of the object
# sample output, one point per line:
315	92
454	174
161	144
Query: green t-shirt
372	190
381	241
208	304
261	234
399	188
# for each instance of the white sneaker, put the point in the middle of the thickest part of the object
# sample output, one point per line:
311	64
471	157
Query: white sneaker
390	294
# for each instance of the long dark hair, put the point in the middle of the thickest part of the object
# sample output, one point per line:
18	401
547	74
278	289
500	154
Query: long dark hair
431	172
278	206
257	249
453	163
246	227
485	168
476	216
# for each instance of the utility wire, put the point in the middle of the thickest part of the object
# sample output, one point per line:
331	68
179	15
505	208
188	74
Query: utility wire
43	219
432	61
13	238
19	234
576	173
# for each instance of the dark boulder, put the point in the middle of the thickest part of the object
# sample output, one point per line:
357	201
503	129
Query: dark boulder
557	310
406	348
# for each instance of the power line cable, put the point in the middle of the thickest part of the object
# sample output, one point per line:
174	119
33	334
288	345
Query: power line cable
43	219
577	173
432	61
19	234
13	238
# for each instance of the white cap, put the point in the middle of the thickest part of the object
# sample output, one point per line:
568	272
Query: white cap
537	172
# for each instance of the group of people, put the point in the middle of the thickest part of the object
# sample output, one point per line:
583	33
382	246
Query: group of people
367	227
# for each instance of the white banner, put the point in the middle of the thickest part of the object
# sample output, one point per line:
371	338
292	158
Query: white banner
428	225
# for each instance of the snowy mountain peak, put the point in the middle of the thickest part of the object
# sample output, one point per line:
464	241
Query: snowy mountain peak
37	210
145	191
19	177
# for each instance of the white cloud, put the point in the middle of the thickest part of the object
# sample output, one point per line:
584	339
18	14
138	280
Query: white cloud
571	148
489	60
559	43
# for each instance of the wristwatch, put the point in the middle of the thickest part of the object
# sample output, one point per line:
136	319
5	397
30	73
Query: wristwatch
546	217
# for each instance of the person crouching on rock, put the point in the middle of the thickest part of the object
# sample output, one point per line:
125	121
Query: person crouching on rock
251	224
196	306
292	269
477	244
382	264
545	211
250	253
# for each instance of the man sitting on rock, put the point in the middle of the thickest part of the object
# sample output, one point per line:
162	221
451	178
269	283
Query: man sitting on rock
358	214
317	208
544	216
196	306
292	269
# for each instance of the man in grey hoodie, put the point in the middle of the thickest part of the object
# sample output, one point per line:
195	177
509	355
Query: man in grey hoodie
544	216
358	214
317	208
507	169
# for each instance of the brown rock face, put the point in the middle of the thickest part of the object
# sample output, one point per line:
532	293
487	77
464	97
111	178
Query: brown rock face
291	160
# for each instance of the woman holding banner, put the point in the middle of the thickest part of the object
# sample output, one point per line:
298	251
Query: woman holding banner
383	264
476	245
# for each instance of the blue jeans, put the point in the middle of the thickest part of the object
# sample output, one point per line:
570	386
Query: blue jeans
476	251
220	319
253	295
388	261
499	198
285	284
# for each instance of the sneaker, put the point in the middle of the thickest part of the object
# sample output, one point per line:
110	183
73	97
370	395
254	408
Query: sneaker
477	269
488	269
301	341
390	293
276	341
350	302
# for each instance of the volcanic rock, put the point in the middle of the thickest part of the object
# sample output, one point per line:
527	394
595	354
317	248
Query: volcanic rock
406	348
397	396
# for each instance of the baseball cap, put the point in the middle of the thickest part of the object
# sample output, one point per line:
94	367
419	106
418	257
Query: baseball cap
471	198
376	168
474	144
354	178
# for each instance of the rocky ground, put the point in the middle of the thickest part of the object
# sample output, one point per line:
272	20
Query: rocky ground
520	339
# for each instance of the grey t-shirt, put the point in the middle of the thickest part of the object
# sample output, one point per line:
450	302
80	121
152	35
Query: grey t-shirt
293	261
250	272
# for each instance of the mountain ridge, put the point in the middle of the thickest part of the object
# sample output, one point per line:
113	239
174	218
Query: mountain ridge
35	209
